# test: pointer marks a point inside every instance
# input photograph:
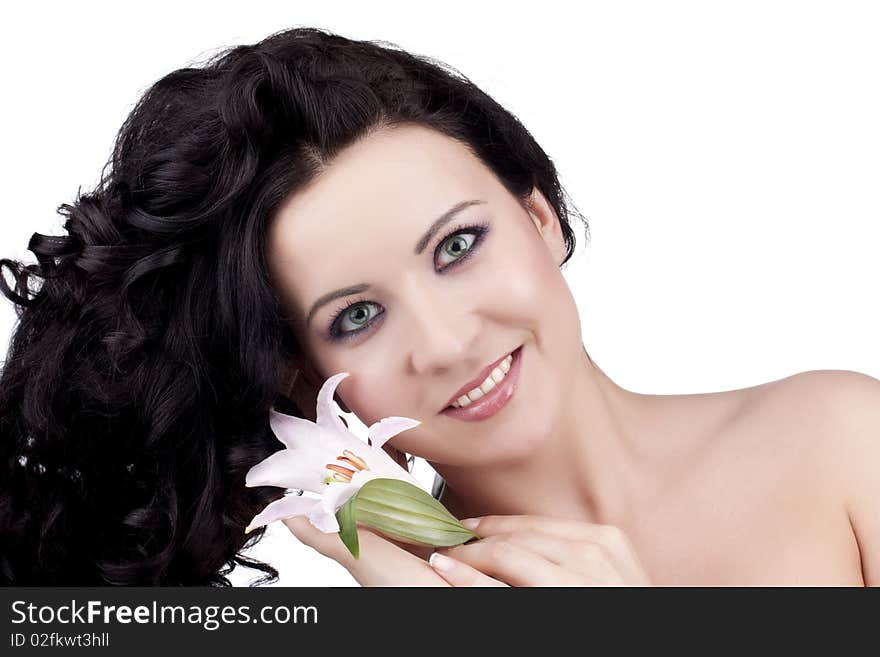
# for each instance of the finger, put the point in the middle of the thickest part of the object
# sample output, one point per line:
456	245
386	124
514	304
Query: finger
573	529
330	545
458	573
513	564
610	538
586	558
380	563
421	551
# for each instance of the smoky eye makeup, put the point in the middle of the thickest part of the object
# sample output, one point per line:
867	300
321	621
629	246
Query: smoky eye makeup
354	317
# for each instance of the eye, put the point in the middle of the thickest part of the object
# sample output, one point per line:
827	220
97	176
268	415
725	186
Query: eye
350	319
354	318
455	246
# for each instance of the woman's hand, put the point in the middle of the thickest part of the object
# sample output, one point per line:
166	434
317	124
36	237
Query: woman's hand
382	562
533	550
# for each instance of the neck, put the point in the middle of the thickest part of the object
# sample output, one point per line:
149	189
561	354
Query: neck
596	465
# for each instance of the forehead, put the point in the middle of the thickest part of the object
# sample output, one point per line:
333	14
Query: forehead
376	197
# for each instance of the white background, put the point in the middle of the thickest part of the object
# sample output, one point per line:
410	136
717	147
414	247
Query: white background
726	154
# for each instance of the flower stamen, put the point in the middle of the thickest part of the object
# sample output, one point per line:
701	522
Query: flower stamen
338	469
353	459
342	474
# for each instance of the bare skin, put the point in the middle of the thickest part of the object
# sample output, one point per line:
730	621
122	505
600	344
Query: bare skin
585	482
753	504
749	504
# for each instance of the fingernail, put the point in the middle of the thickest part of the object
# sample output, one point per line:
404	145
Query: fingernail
440	562
471	523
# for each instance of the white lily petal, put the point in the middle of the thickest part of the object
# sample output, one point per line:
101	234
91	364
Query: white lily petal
310	447
323	517
287	468
326	415
382	465
336	441
391	470
388	427
294	432
338	493
288	506
361	477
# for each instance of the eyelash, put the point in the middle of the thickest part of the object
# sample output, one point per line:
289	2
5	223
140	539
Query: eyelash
479	230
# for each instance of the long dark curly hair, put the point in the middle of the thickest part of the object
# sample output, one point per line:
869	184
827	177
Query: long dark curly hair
150	342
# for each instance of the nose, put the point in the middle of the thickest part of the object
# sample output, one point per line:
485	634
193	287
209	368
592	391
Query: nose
443	332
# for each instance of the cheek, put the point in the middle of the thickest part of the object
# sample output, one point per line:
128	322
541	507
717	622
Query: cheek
373	395
529	291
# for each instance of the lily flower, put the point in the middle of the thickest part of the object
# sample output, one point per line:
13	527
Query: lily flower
326	459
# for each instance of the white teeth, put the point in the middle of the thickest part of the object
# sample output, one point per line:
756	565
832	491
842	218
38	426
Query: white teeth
495	377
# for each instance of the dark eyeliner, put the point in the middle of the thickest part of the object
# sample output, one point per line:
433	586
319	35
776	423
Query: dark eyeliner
335	335
480	230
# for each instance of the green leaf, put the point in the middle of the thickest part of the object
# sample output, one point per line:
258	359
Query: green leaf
348	527
402	511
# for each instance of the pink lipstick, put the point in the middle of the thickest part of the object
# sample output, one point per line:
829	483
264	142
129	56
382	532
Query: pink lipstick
494	400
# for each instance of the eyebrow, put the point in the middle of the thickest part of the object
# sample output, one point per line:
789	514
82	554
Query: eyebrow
444	218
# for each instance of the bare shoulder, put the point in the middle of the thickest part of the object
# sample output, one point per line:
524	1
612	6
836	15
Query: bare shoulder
833	385
833	417
775	486
832	399
835	412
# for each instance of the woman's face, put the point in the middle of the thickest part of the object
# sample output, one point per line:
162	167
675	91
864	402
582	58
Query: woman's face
416	308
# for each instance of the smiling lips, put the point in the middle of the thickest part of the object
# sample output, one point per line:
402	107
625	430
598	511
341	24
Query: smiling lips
491	403
495	377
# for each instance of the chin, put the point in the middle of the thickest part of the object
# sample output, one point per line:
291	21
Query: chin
523	428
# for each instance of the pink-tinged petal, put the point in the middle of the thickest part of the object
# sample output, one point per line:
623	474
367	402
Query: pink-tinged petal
288	506
388	427
294	432
287	468
380	461
326	415
324	519
337	493
363	476
382	465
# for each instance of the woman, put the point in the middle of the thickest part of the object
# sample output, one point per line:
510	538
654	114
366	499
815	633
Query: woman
310	205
